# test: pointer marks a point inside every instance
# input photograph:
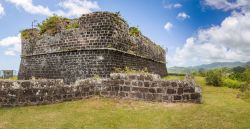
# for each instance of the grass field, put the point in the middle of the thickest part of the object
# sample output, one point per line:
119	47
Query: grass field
220	110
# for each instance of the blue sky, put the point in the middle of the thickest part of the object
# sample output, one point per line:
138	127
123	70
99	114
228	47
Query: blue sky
194	31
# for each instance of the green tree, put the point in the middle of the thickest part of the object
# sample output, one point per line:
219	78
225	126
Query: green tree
202	72
246	75
214	77
237	73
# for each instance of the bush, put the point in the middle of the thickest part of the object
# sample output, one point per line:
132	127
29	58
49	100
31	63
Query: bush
245	95
246	76
237	73
214	77
233	83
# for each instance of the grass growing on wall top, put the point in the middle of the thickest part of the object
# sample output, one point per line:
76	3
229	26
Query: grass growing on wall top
220	110
12	78
174	77
55	24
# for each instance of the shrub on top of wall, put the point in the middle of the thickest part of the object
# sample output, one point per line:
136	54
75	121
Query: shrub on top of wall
72	25
25	34
29	33
134	31
55	24
51	25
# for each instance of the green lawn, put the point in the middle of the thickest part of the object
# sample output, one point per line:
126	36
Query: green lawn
220	109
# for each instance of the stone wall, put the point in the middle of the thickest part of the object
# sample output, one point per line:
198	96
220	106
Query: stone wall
35	92
92	49
78	65
152	88
147	87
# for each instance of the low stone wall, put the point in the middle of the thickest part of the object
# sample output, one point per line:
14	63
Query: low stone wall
36	92
147	87
152	88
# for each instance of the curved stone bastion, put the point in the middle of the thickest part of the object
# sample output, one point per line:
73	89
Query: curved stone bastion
100	44
147	87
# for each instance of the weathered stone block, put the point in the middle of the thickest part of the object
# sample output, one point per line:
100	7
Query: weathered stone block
195	96
180	91
146	84
126	88
171	91
152	90
177	97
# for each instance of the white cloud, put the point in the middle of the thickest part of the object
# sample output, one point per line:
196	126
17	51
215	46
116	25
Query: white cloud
69	8
168	26
227	42
1	10
226	5
177	5
183	16
28	6
12	45
170	6
10	53
77	7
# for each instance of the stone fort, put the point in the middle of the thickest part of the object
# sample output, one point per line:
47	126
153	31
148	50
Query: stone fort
62	67
100	44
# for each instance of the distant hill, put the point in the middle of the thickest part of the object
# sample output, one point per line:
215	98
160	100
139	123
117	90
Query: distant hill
219	65
180	70
206	67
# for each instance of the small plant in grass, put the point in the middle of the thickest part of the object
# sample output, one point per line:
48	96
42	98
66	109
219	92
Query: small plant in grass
245	93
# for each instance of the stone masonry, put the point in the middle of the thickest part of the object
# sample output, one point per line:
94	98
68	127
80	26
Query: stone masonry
146	87
100	44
